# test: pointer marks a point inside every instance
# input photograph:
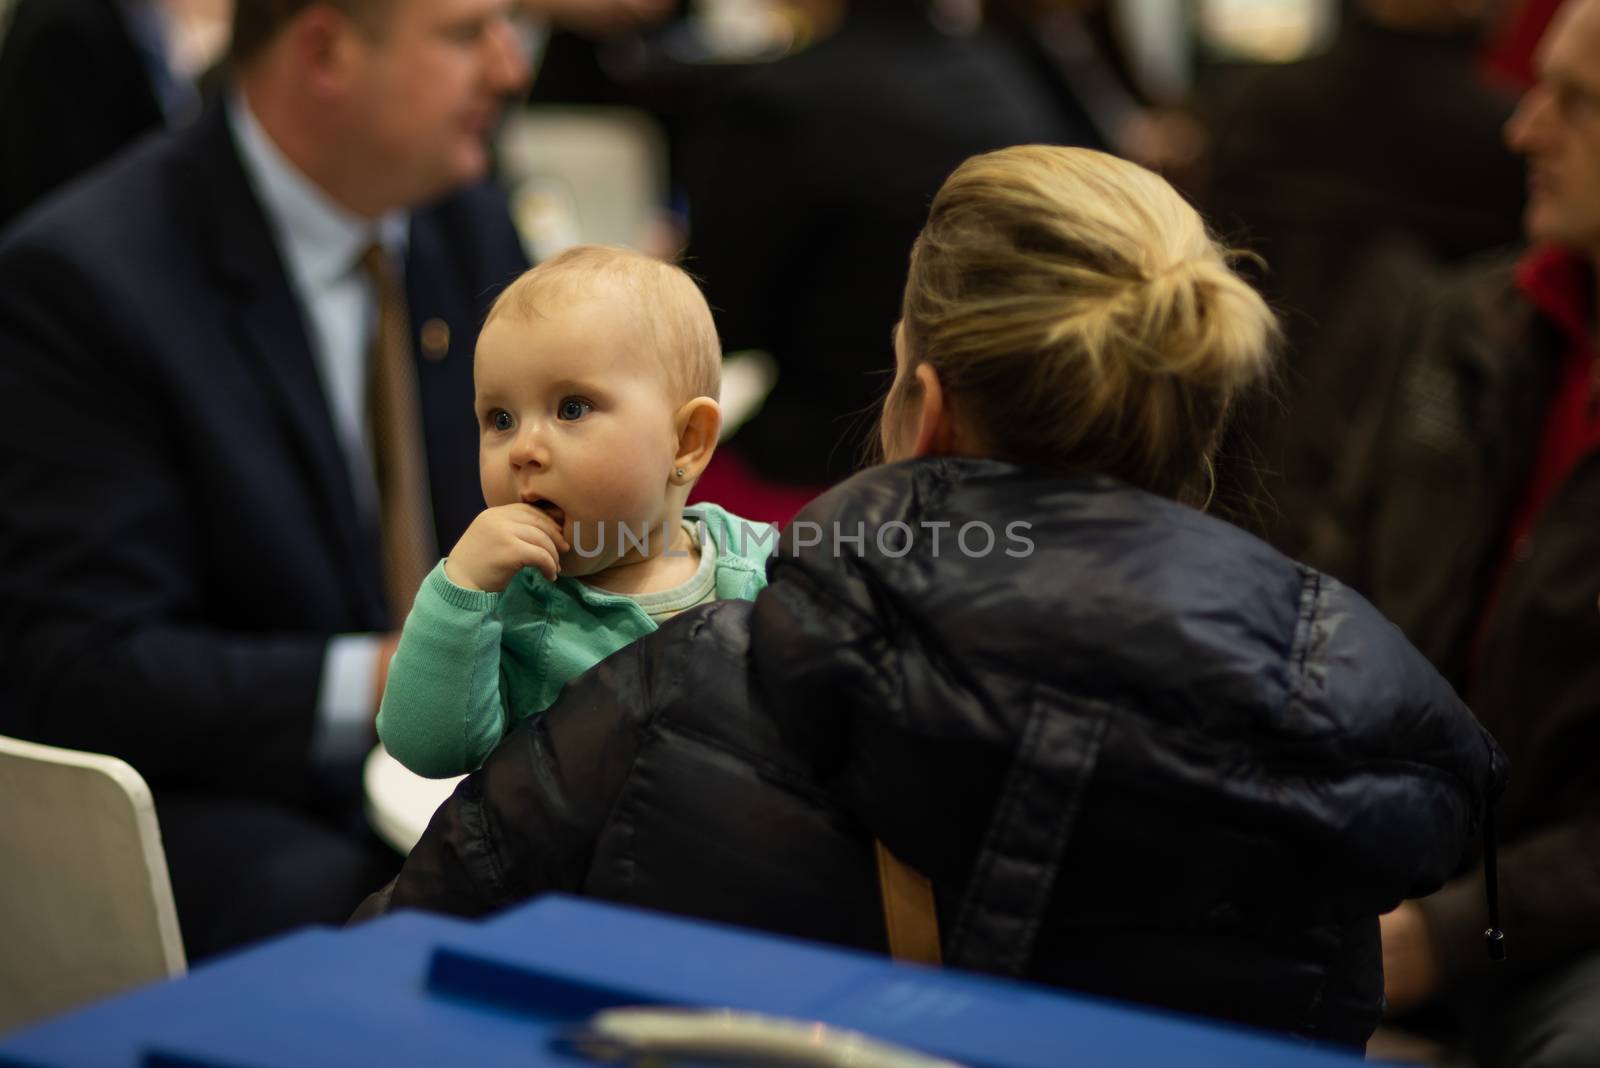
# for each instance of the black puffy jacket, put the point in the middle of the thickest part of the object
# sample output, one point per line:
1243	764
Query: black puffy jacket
1142	754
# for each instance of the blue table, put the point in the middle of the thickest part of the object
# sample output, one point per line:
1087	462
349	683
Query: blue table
414	989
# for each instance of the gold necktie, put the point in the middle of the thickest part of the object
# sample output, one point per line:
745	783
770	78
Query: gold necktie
409	549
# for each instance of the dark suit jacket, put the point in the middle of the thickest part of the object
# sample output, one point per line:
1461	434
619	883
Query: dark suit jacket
73	92
808	181
179	536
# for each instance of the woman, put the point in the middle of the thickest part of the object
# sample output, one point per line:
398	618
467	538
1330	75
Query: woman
1136	751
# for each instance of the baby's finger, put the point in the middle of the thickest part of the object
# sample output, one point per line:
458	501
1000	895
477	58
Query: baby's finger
549	540
546	522
541	559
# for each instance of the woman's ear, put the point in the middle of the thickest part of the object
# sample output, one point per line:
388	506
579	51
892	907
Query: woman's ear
936	431
698	423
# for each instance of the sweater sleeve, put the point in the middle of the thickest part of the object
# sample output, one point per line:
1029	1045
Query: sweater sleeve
442	712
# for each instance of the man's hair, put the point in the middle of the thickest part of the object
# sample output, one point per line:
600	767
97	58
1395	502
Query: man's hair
669	306
257	22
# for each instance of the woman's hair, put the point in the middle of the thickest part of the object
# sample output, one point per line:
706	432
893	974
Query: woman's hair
1080	318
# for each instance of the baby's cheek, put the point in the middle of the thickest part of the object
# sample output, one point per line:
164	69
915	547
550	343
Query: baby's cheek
629	486
496	485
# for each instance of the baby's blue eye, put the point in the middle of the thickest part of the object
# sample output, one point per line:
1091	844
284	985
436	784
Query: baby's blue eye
500	420
574	408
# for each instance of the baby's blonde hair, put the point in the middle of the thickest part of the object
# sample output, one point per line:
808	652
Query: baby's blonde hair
670	308
1081	318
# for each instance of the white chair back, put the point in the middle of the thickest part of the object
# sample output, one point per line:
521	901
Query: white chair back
86	907
594	175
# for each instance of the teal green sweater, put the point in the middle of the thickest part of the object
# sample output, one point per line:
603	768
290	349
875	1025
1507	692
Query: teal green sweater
472	664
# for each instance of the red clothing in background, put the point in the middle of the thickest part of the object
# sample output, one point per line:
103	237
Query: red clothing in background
1507	56
1560	284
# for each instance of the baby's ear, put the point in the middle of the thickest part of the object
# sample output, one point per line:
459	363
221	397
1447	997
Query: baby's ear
698	423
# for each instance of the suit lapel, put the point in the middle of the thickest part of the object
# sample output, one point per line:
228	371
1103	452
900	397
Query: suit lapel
273	337
429	299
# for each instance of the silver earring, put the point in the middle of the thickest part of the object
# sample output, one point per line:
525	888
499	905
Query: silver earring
680	472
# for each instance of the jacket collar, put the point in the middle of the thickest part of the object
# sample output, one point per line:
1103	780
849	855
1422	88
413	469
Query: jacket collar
1560	284
928	566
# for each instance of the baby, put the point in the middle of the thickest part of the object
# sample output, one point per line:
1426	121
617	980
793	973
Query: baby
596	379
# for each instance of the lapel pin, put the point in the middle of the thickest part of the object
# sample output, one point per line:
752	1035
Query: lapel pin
435	339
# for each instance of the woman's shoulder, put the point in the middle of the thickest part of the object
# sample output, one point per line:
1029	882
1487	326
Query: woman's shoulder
1037	521
1104	586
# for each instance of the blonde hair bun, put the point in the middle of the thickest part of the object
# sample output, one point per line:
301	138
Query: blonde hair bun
1200	321
1081	295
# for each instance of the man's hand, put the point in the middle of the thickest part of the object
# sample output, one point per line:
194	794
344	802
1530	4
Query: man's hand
503	541
1410	973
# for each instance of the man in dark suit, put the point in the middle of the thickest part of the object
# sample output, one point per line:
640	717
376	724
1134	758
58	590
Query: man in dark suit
194	474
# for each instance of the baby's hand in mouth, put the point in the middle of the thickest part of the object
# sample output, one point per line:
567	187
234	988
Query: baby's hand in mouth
505	539
551	509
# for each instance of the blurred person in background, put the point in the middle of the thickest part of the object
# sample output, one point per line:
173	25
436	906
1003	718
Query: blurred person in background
228	453
599	18
1392	131
1477	529
807	180
1071	47
1508	51
82	79
1392	135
